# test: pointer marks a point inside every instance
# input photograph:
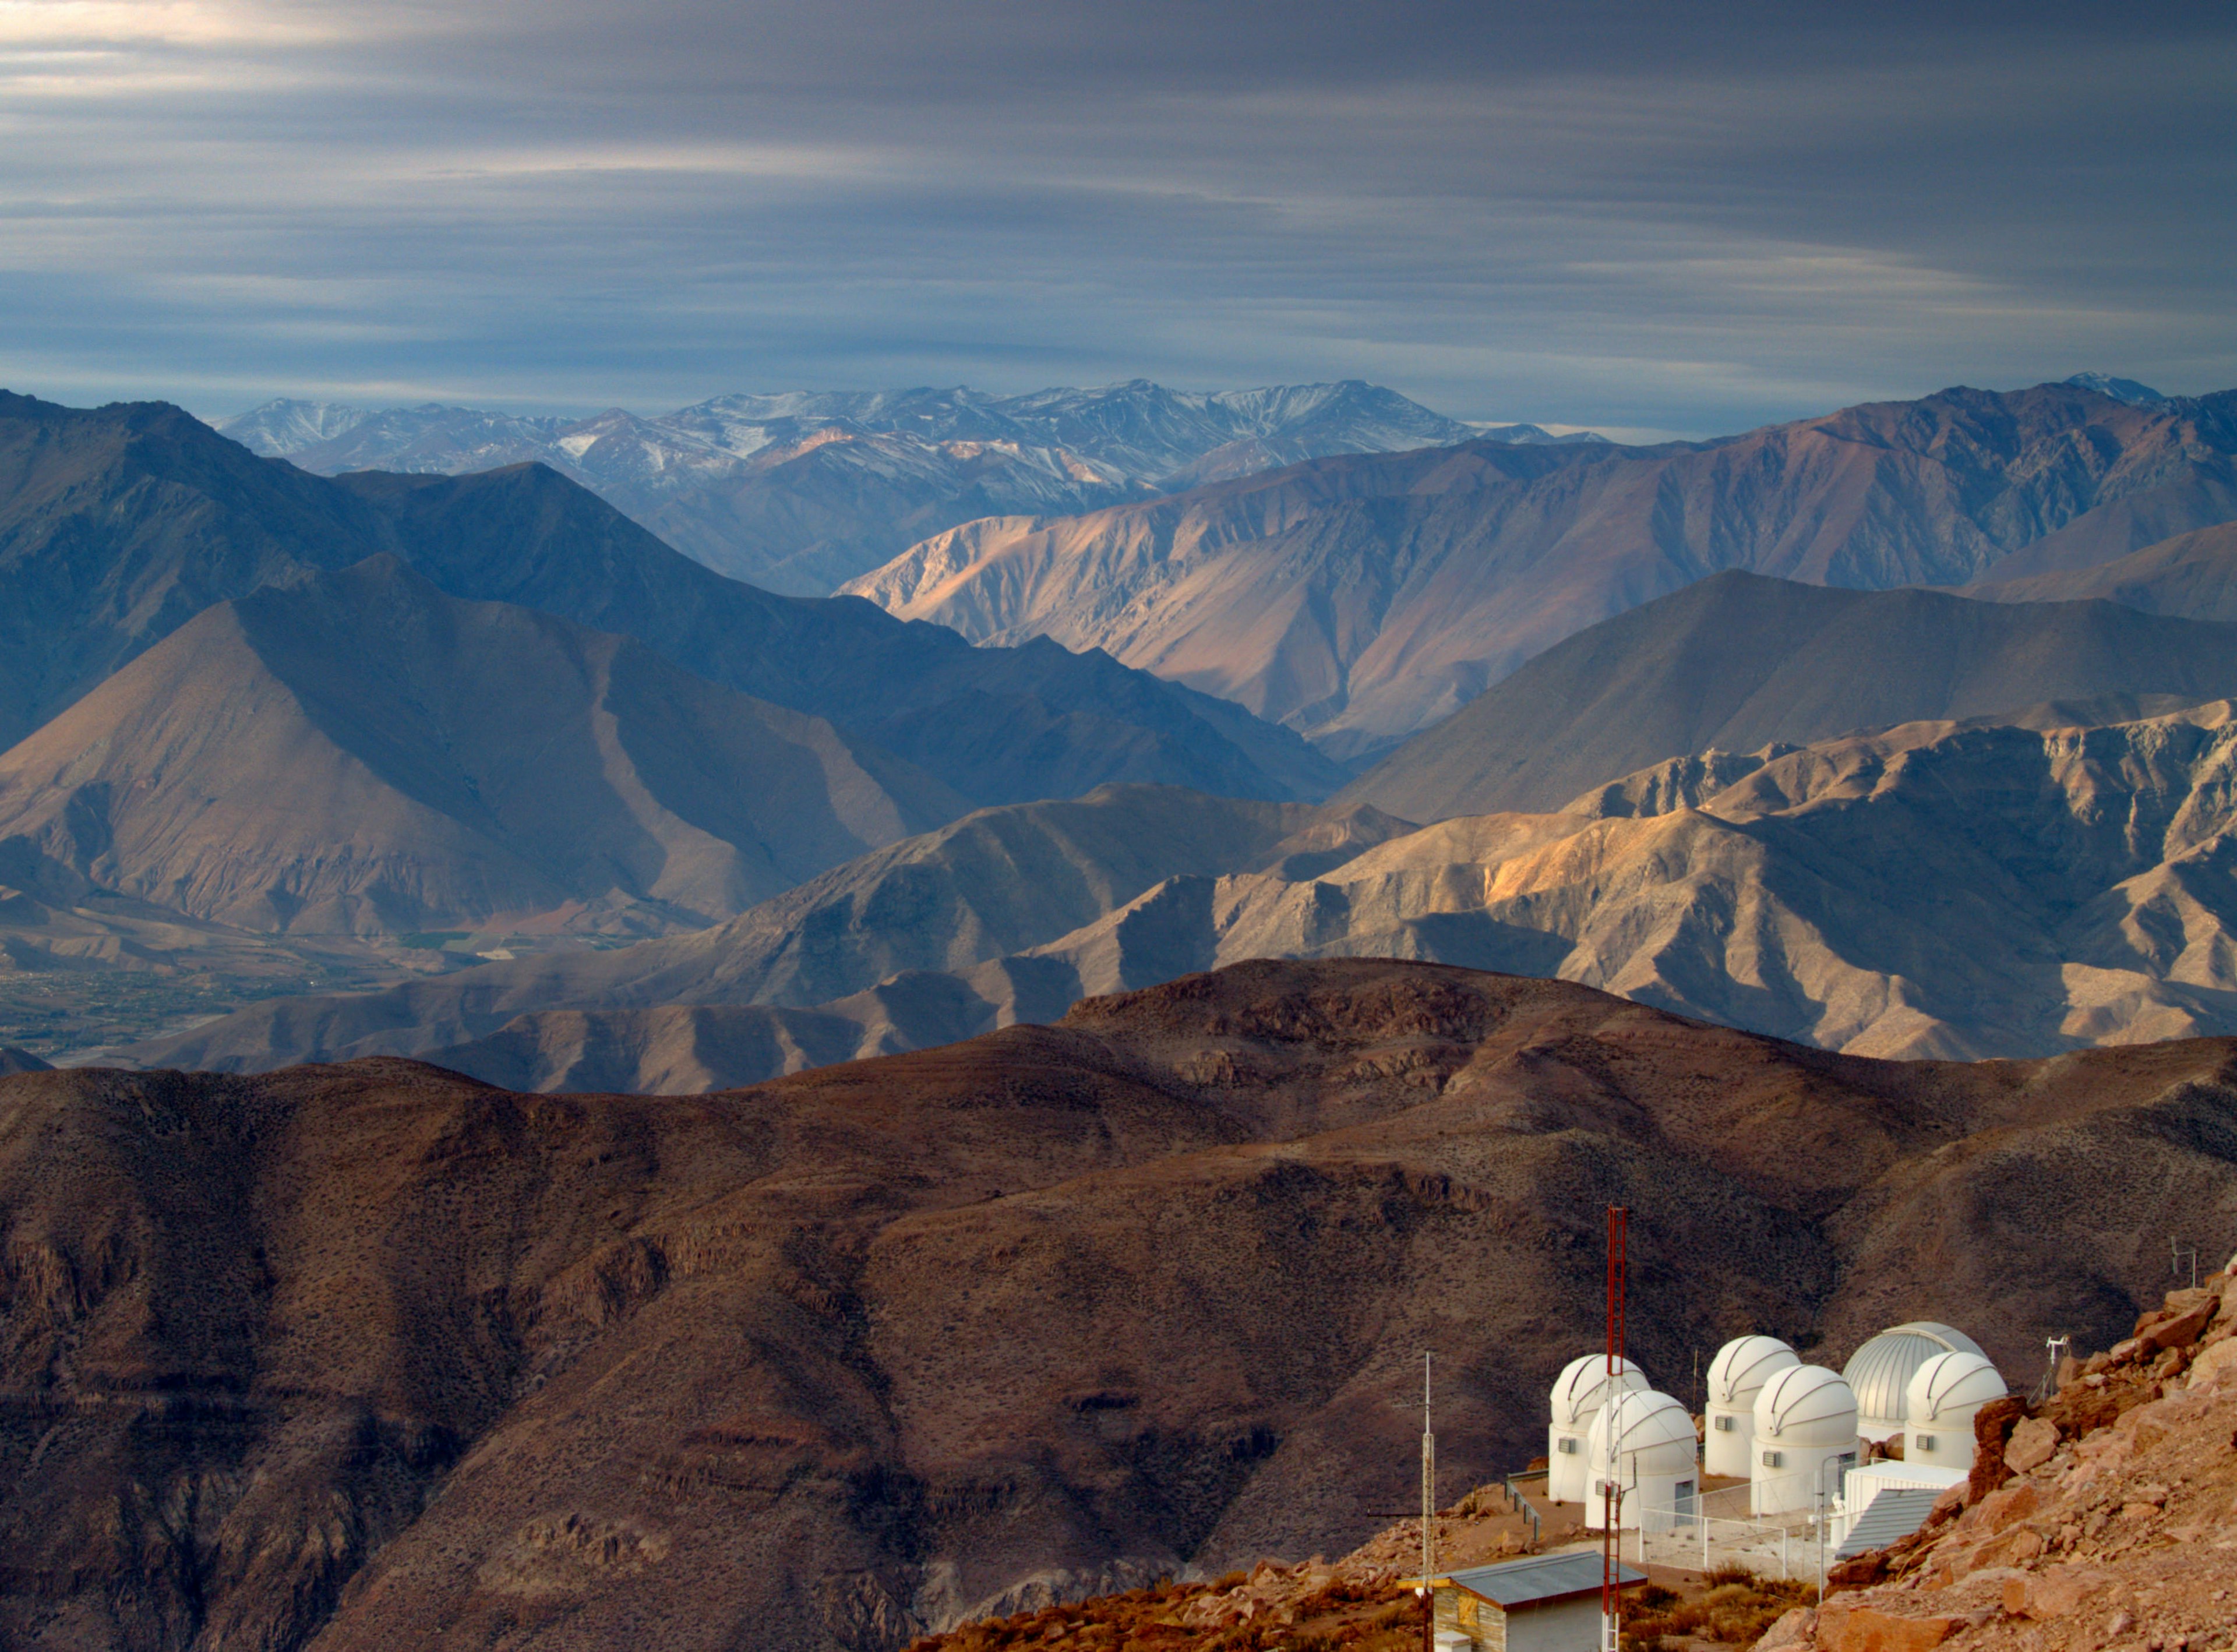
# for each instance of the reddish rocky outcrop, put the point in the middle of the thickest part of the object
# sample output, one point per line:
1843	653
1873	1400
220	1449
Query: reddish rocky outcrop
2099	1516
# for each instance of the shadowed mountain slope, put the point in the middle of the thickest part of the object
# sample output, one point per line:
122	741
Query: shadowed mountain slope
819	1364
1738	662
993	883
1359	599
358	752
2192	576
117	524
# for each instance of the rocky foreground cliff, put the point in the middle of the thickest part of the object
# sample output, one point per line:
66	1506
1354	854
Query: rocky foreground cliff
375	1356
2105	1516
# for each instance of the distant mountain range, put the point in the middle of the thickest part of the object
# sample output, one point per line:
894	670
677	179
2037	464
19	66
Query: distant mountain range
801	491
1999	742
1361	598
272	731
1940	889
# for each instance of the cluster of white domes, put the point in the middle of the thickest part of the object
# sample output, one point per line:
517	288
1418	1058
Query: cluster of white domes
1880	1370
1786	1427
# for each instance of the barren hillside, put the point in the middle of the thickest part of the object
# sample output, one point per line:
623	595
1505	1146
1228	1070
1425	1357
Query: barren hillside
358	752
376	1353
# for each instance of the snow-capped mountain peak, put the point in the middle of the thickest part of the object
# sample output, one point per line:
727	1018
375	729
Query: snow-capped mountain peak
803	489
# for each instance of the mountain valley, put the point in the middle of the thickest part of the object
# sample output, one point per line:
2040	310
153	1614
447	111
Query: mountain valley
1939	890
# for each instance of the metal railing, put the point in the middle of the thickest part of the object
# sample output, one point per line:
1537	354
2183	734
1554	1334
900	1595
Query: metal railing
1521	1504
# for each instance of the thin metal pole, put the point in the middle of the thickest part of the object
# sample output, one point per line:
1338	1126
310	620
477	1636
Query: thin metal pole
1618	1221
1429	1516
1821	1467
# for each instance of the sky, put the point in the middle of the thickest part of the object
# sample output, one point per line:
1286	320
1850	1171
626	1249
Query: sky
1676	217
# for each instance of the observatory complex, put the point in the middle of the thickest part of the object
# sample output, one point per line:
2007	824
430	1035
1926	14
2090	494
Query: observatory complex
1786	1460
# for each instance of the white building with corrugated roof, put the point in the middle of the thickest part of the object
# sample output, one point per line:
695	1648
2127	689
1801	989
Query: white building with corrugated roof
1544	1603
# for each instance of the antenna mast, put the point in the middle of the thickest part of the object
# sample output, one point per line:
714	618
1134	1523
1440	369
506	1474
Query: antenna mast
1428	1513
1619	1222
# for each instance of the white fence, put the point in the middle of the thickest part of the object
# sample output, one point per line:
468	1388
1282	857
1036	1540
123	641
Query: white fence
1713	1530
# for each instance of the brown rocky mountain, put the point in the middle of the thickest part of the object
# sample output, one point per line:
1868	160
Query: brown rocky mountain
1934	890
1738	661
1359	599
993	883
2193	575
120	523
375	1354
359	753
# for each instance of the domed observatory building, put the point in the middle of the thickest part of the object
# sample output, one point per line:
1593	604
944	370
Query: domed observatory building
1806	1433
1579	1393
1879	1373
1736	1377
1643	1442
1939	1405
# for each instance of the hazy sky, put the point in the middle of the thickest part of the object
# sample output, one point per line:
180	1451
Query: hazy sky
1673	216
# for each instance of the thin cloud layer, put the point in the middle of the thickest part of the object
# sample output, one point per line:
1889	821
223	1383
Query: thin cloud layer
1641	216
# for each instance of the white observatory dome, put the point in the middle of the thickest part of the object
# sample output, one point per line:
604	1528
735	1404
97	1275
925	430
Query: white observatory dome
1939	1405
1643	1442
1736	1376
1582	1389
1742	1366
1805	1424
1645	1431
1579	1392
1880	1371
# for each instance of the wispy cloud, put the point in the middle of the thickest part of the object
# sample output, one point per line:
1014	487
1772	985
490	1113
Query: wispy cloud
1628	215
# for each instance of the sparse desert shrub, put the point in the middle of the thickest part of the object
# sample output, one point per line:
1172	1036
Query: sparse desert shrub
1735	1608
